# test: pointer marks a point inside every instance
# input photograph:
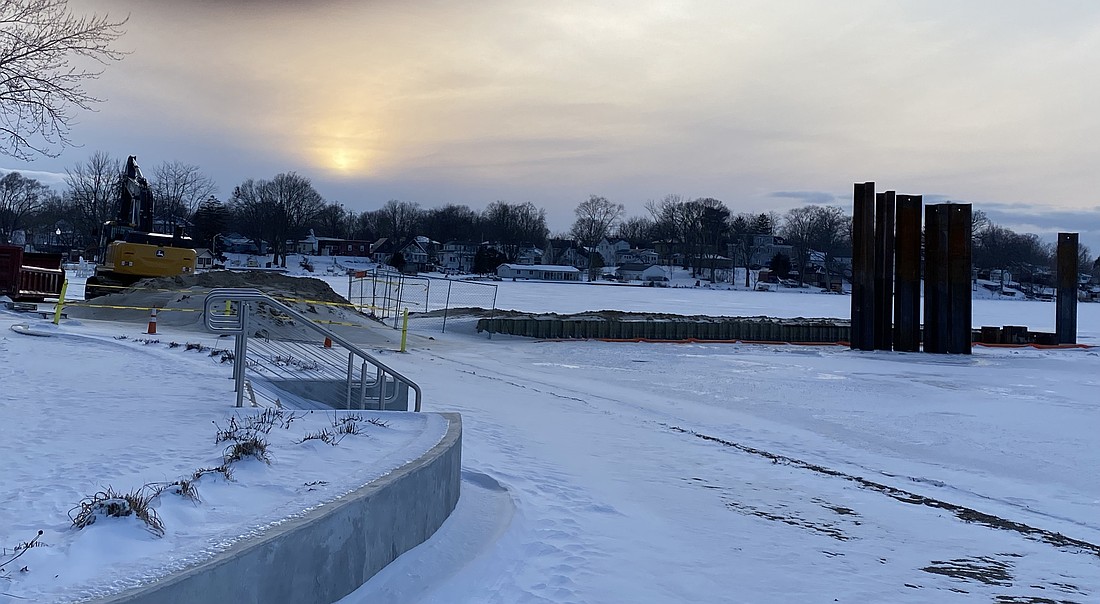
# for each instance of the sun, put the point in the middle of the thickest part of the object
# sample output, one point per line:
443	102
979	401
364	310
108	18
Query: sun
343	161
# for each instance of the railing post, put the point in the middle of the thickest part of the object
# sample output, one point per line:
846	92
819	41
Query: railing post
404	329
241	352
363	386
60	302
447	305
351	373
381	381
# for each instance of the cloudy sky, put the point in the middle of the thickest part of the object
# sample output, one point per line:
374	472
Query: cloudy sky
765	104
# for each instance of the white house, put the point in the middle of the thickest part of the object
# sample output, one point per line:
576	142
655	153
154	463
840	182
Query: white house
609	247
636	256
544	272
656	274
204	259
642	272
458	256
529	255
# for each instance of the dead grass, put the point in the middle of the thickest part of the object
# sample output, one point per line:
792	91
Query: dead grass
109	503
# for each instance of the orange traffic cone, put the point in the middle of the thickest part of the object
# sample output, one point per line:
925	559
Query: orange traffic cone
152	321
328	342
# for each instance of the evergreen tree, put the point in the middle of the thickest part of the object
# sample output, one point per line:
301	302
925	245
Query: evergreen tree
487	259
211	219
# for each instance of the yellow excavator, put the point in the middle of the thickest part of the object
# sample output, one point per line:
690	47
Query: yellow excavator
131	250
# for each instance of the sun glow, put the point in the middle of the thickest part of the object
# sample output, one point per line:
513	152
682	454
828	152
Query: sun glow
345	146
342	161
344	157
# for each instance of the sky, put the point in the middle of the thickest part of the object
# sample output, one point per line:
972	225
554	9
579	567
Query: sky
593	472
766	105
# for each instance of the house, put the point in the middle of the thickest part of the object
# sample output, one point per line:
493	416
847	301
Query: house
607	248
761	249
305	246
204	259
529	255
630	272
431	248
656	274
416	257
312	245
544	272
636	256
327	246
234	243
457	257
566	252
649	273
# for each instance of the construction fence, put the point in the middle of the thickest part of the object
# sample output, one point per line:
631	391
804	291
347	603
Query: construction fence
386	294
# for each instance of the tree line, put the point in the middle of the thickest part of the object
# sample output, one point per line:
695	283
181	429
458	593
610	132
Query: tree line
700	232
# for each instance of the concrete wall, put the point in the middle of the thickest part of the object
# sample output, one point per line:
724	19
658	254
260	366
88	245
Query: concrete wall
331	551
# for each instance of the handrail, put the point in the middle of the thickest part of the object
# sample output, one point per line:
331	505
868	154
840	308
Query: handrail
237	323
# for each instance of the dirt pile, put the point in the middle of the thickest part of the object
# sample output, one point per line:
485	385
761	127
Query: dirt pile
270	283
179	300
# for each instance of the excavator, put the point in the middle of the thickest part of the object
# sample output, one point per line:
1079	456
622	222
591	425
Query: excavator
131	250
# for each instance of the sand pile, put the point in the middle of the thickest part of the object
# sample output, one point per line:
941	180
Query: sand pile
179	300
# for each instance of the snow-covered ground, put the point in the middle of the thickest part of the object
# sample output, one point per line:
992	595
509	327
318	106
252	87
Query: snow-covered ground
100	406
662	472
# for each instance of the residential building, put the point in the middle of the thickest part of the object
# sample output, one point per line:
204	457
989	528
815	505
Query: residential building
327	246
762	249
544	272
607	248
635	271
636	256
458	256
566	252
204	259
416	257
529	255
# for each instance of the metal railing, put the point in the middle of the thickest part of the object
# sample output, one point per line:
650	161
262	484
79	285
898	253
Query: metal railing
232	310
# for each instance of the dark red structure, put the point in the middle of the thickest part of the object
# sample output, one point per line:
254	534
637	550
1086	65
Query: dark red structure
29	276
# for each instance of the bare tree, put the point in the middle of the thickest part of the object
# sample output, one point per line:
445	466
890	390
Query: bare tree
20	198
515	225
750	234
59	214
93	191
365	225
333	221
595	218
296	203
253	212
399	219
178	189
704	223
638	230
669	225
451	222
814	228
40	87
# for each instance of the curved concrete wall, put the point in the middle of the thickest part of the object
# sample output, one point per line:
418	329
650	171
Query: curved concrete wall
331	551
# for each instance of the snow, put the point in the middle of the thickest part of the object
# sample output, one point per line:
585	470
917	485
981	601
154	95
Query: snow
611	472
85	410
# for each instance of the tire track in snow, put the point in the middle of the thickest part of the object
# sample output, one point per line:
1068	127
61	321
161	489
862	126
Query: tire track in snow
963	513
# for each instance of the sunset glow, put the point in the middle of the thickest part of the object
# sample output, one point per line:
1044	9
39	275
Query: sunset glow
761	103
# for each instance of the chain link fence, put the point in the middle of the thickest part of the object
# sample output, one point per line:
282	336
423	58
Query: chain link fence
432	302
